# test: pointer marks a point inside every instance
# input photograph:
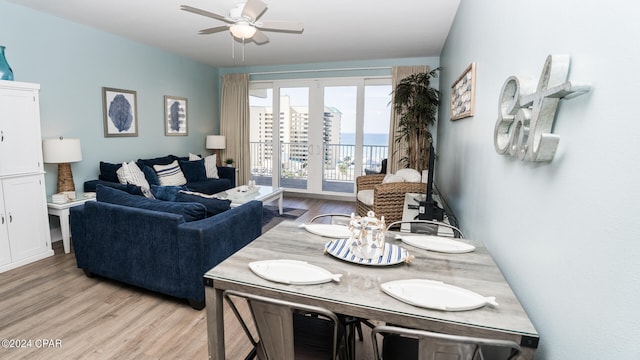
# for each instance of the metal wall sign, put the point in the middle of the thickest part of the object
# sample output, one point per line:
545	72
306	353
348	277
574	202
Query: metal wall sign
526	112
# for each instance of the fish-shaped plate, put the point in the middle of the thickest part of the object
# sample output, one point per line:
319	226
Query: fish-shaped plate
435	295
292	272
391	255
437	243
328	230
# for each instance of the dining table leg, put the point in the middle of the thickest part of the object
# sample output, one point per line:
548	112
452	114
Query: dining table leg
215	322
527	353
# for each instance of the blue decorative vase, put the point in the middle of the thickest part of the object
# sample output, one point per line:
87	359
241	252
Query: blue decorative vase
5	70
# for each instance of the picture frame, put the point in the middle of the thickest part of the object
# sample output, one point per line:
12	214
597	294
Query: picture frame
120	110
175	116
463	94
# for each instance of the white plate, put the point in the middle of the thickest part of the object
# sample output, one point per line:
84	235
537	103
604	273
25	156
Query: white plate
292	272
393	254
328	230
436	243
435	295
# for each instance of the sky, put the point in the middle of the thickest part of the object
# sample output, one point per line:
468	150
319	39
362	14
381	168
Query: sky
377	108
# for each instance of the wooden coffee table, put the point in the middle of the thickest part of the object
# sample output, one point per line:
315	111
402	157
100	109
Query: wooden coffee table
264	194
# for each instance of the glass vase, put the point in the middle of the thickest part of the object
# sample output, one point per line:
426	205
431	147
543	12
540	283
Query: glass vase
5	70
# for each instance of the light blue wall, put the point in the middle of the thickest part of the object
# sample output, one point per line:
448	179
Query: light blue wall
565	233
73	62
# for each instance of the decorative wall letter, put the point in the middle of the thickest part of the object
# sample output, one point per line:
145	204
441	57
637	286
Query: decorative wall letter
526	113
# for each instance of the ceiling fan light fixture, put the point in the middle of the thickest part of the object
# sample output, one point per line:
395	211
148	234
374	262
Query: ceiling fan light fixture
242	30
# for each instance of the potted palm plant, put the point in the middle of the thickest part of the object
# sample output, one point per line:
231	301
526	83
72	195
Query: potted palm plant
416	102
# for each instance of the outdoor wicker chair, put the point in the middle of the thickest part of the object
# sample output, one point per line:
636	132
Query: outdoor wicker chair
388	198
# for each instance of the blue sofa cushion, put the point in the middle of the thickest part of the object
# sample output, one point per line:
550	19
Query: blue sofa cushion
166	193
210	186
162	160
214	206
108	171
189	211
193	170
91	185
151	176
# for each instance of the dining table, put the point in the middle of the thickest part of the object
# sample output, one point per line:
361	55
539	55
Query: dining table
358	292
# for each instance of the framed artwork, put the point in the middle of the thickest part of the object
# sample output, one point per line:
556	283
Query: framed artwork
463	94
120	111
175	116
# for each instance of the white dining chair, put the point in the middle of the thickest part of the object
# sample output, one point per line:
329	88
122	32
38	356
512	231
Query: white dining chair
354	322
409	344
291	331
334	218
426	226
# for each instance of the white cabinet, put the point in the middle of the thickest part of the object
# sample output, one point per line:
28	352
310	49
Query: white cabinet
25	230
20	141
5	250
24	223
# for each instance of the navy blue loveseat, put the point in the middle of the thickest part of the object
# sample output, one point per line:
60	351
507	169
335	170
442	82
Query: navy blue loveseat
151	244
193	171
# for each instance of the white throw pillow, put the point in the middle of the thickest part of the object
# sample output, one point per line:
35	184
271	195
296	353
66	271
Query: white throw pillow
170	175
193	157
390	178
409	175
122	178
130	173
210	167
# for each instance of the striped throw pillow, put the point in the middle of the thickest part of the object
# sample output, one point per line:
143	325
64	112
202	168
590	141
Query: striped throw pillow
170	175
130	173
210	167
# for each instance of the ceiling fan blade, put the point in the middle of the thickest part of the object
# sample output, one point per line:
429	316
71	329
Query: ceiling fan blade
213	30
253	9
288	26
205	13
260	38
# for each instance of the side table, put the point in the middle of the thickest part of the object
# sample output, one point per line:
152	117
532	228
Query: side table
62	212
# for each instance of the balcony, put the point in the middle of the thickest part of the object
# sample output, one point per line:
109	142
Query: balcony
338	165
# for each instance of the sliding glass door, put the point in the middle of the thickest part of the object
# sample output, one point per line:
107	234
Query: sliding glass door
326	133
295	151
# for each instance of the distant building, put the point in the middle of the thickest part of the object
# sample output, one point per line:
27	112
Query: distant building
294	134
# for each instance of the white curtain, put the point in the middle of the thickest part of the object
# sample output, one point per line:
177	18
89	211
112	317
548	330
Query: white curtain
396	150
234	122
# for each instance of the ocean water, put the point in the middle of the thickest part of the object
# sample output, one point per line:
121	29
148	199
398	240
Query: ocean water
369	139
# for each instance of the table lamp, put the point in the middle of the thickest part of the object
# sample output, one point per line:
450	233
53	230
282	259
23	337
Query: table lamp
216	143
62	152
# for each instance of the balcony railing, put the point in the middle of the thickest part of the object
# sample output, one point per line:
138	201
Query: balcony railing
338	161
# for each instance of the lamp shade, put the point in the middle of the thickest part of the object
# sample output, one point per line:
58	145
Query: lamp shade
61	150
215	142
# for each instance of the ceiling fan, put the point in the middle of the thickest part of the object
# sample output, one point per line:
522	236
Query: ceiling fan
243	22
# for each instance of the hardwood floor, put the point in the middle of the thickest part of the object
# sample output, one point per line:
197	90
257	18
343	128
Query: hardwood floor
51	310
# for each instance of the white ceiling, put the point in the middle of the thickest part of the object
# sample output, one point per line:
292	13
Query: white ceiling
335	30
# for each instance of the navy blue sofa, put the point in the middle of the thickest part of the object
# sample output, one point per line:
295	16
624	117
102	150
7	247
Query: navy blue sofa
158	249
196	180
